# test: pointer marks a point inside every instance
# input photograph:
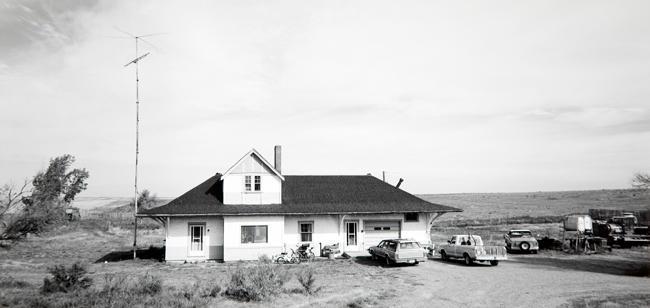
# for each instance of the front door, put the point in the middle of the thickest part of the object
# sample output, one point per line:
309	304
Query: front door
197	247
351	236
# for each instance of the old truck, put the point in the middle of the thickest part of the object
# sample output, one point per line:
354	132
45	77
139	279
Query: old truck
521	240
470	248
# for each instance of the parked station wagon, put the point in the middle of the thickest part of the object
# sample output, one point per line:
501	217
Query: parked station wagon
398	251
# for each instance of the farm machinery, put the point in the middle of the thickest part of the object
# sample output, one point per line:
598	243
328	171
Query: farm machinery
578	235
581	233
621	229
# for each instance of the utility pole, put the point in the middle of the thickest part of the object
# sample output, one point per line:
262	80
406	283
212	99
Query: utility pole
383	176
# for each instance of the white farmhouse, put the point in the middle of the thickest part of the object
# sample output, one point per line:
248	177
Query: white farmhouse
253	209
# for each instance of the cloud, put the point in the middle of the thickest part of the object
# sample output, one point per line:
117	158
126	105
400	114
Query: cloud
26	26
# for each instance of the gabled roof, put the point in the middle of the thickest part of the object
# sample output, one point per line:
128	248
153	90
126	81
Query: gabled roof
302	195
264	161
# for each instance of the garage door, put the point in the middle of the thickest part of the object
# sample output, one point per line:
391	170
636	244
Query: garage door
377	230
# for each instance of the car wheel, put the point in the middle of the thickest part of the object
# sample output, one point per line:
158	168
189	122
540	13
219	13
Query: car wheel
444	256
468	260
279	260
373	257
524	246
494	262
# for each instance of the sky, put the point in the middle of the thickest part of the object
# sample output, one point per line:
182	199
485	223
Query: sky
452	96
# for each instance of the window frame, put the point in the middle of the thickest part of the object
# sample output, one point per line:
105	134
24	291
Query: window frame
257	183
248	185
310	233
266	238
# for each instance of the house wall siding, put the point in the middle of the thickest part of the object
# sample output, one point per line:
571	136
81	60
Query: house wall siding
234	249
325	231
233	184
177	240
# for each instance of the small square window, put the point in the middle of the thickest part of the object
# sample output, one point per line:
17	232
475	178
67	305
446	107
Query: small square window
411	217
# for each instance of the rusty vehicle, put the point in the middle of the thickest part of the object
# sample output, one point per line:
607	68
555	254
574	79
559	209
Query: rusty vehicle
470	249
521	240
398	251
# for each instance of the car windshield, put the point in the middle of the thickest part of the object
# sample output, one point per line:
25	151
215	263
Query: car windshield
409	245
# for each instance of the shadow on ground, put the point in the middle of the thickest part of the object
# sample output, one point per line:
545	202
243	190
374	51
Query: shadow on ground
363	260
151	253
638	268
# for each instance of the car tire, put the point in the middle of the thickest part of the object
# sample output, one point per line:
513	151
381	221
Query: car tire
494	262
468	260
443	256
373	256
524	246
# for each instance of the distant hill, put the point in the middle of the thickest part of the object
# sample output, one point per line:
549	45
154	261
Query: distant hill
108	204
502	205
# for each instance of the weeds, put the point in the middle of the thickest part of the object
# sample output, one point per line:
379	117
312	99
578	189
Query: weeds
307	281
257	282
11	282
66	279
148	285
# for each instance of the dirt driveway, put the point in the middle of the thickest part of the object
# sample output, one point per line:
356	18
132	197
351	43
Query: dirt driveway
533	281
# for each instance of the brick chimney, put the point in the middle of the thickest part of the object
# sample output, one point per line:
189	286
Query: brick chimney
278	158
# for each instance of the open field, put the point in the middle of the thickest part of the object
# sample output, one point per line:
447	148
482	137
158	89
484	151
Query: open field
536	204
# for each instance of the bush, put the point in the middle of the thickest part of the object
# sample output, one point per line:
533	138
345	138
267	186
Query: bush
256	282
307	281
148	285
11	282
66	279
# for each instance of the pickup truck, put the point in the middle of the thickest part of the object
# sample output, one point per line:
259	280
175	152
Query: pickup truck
470	248
522	240
398	251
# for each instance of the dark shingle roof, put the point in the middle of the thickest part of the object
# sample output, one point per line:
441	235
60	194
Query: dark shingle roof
304	194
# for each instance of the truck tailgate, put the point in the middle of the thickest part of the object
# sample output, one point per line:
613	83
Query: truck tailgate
491	253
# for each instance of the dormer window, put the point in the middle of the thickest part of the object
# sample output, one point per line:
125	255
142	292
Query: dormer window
249	185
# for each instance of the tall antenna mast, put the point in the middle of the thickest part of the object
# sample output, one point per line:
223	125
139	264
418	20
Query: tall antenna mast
136	61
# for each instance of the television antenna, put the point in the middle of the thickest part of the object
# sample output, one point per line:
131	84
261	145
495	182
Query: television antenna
136	62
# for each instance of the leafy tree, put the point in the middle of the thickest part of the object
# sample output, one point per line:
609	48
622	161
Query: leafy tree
146	200
52	191
56	184
641	180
